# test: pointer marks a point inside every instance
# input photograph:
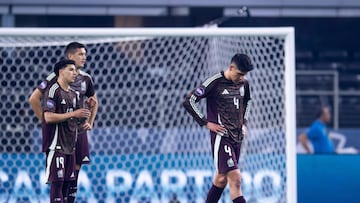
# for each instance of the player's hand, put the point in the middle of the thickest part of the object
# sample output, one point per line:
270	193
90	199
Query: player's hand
218	129
91	102
244	130
86	126
82	113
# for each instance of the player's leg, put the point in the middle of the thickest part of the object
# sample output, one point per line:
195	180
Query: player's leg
220	179
234	180
69	177
82	156
234	176
55	175
217	188
56	192
65	190
72	186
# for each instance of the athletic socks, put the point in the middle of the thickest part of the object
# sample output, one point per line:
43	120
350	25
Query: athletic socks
56	192
239	200
72	189
214	194
65	190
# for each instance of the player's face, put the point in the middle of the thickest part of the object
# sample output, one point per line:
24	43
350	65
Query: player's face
69	73
79	56
236	74
326	115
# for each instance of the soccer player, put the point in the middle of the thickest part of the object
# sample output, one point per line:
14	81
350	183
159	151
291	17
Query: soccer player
228	104
84	85
318	134
61	113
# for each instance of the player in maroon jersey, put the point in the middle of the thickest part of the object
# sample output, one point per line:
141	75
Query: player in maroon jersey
228	103
84	85
62	113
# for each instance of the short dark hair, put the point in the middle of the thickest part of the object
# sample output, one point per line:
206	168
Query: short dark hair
320	111
71	47
243	62
62	64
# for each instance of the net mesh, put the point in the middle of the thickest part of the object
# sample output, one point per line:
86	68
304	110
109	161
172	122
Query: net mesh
144	147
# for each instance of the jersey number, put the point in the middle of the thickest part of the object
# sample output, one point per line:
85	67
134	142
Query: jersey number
236	102
60	162
227	150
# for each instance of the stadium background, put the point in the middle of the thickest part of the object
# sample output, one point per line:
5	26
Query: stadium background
327	64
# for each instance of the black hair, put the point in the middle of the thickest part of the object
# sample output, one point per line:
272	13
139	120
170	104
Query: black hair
71	47
243	62
62	64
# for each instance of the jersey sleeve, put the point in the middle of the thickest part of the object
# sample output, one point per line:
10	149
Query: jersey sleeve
314	132
46	83
90	91
247	102
50	101
191	100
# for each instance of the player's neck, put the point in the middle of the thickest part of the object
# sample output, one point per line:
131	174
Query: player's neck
227	74
64	85
322	121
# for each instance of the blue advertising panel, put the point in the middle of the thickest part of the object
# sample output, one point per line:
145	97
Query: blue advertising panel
110	179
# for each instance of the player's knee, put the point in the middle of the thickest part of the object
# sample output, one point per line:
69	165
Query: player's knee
235	182
220	181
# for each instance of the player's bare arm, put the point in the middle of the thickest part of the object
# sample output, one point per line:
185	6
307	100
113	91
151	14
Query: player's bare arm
35	103
304	142
51	117
93	104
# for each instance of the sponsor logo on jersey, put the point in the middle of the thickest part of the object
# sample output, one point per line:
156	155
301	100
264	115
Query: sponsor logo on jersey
50	104
199	91
86	158
225	92
60	174
63	101
242	91
43	84
230	162
83	86
72	175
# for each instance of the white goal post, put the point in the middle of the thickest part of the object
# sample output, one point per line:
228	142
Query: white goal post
142	136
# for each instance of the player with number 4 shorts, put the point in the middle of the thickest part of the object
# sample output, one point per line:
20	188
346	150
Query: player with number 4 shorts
228	104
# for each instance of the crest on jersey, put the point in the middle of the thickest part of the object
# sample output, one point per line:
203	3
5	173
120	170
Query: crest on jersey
50	104
83	86
230	162
200	91
242	91
43	84
60	174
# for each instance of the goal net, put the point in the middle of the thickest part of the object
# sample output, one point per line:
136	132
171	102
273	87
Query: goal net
145	147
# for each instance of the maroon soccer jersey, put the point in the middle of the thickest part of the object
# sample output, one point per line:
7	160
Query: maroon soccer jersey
228	104
61	136
83	84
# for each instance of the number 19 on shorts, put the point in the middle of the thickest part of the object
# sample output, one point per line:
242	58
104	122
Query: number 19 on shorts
60	162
